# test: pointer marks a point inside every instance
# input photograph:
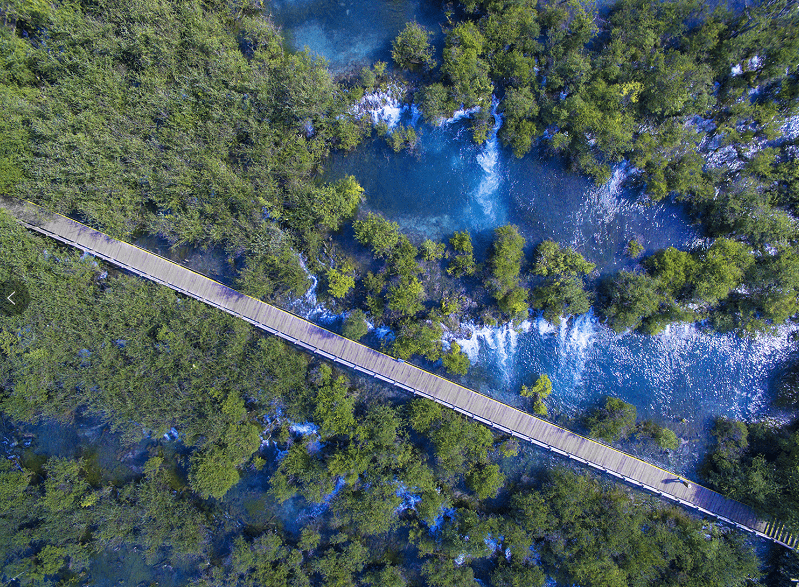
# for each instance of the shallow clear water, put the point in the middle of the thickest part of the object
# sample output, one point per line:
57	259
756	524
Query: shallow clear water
450	184
351	34
682	378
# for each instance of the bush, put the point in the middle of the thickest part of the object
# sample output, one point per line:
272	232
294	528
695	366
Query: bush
432	251
406	296
538	392
463	263
633	249
611	421
629	298
411	48
664	437
355	326
505	260
456	361
339	283
377	232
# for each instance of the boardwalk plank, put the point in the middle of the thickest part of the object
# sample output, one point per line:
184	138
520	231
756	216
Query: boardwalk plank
160	269
351	353
249	306
423	380
262	314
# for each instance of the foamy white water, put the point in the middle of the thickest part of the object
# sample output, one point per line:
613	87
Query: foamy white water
488	159
460	114
383	105
683	373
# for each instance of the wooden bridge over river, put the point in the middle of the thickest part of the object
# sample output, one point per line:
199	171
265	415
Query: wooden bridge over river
408	377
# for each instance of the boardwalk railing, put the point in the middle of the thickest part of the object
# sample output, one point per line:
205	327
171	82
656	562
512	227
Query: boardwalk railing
404	375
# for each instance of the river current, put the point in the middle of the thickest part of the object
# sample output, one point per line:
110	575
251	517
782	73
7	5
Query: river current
681	378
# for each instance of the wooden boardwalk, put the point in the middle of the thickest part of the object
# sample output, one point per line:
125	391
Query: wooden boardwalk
406	376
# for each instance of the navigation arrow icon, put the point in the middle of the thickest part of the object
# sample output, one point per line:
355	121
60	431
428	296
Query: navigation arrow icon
14	299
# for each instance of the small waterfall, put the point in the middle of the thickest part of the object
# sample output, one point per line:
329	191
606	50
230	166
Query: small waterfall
308	306
383	105
488	159
415	115
574	341
460	114
503	341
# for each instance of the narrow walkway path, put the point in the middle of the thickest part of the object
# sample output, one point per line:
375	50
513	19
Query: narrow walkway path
375	364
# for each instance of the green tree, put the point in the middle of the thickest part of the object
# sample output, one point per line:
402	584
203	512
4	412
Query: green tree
505	260
485	480
334	405
721	268
634	249
552	260
340	281
418	338
411	48
212	473
433	251
628	299
456	361
355	326
465	67
664	437
521	112
375	231
336	202
444	573
540	390
675	270
514	303
612	420
561	297
406	296
563	292
463	263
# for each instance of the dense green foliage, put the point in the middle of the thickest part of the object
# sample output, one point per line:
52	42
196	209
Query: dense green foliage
355	326
688	97
505	261
538	393
180	119
146	360
756	464
754	292
190	121
612	420
456	361
616	419
563	292
411	49
463	262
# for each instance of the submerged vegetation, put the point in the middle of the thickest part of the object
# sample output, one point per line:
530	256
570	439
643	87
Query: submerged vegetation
407	492
191	121
694	100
